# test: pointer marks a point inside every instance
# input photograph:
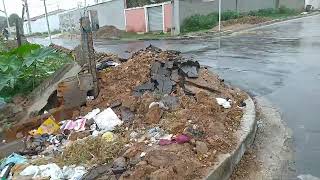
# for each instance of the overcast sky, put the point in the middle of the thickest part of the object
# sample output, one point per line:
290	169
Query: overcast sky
36	6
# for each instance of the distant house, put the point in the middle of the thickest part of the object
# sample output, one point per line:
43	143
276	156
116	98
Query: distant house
314	3
149	18
39	23
104	13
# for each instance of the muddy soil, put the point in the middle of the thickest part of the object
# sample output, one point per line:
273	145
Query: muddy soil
196	114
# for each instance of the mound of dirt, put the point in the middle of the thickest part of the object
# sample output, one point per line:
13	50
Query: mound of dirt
191	109
246	20
173	126
241	23
108	32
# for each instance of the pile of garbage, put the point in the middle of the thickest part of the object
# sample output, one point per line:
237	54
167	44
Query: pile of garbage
158	115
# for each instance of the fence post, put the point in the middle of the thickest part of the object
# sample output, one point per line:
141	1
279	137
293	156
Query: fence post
88	51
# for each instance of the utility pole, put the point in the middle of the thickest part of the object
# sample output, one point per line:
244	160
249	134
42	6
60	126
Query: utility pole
28	15
219	15
5	12
46	14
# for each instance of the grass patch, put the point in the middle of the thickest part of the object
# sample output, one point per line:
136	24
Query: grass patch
92	150
274	13
205	22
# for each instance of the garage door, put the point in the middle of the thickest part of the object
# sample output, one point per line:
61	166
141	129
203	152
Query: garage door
155	18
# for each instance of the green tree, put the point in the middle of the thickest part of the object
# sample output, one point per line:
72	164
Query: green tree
13	18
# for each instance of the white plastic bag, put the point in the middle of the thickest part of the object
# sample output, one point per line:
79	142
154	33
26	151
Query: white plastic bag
30	170
73	173
92	114
51	170
223	102
107	120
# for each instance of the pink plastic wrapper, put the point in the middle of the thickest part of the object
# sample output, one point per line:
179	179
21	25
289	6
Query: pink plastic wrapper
164	142
180	139
78	125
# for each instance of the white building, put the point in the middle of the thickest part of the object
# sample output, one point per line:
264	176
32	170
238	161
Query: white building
314	3
39	23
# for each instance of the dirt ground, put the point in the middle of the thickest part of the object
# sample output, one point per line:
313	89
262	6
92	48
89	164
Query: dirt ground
108	32
271	155
241	23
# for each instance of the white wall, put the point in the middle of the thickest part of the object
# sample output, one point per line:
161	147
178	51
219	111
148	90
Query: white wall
40	25
110	13
315	3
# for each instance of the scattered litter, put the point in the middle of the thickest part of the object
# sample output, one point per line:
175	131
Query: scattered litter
49	126
106	64
107	120
164	142
92	114
223	102
54	172
71	173
13	158
78	125
180	139
108	136
160	104
143	154
90	98
5	172
156	133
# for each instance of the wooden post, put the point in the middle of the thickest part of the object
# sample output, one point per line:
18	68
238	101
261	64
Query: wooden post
88	51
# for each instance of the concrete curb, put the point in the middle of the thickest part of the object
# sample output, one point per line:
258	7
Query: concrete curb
227	162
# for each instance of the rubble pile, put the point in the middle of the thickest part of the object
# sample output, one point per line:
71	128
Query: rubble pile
108	32
157	116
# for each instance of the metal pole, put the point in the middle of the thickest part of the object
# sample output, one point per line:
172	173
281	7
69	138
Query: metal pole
5	12
28	16
219	15
46	14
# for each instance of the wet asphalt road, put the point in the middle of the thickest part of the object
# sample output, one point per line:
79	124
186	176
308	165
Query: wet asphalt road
280	62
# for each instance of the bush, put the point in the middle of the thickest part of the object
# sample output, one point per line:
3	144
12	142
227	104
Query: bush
273	12
203	22
263	12
24	68
229	15
285	10
199	22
